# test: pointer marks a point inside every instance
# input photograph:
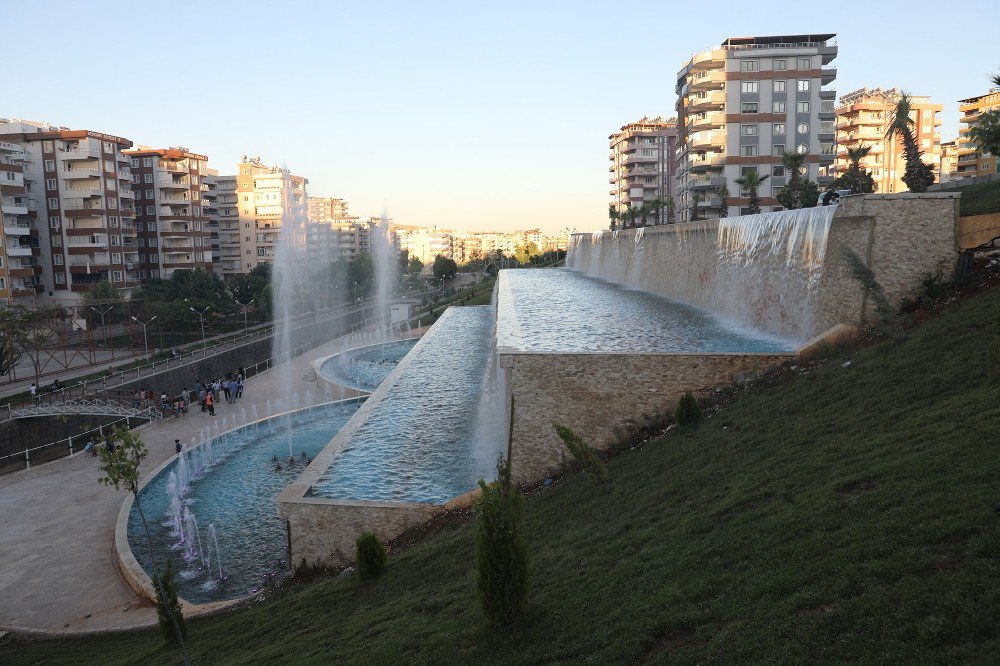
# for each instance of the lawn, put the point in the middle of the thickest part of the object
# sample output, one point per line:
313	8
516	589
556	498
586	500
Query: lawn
979	199
850	514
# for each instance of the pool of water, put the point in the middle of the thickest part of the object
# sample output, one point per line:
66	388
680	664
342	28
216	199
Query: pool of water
233	496
561	310
420	443
366	367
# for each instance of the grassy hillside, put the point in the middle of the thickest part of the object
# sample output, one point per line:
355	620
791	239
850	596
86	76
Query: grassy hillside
850	514
980	199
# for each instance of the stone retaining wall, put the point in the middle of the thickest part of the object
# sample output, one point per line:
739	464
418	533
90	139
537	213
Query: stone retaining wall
594	393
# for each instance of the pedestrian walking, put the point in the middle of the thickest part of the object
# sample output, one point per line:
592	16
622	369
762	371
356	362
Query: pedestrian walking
202	395
210	403
226	391
177	446
239	387
34	391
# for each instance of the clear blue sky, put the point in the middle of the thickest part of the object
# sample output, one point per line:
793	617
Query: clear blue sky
458	114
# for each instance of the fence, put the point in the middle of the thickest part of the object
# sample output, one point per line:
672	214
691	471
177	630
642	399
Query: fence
59	448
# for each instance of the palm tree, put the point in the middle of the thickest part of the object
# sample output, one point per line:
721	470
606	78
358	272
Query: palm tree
985	133
613	214
671	210
856	179
722	191
793	172
918	176
656	208
696	199
750	183
644	211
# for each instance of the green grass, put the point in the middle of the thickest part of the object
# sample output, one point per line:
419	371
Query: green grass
846	515
979	199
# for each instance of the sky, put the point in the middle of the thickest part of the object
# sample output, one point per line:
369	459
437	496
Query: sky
483	116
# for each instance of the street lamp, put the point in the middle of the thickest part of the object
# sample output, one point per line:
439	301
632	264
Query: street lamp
201	318
245	307
144	324
106	311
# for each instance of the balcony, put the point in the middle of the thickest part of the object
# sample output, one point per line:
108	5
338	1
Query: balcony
83	207
89	188
707	161
713	79
14	206
174	185
19	251
176	167
828	75
703	140
715	99
710	120
16	229
83	151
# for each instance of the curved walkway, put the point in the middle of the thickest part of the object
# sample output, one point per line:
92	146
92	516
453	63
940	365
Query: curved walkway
57	567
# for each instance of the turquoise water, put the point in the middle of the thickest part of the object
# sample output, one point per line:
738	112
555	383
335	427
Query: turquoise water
237	495
421	443
367	367
561	310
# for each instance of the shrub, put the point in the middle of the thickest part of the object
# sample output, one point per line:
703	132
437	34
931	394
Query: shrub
501	552
688	411
582	452
370	555
167	602
934	285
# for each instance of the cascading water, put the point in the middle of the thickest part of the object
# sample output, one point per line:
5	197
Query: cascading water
493	408
758	271
386	262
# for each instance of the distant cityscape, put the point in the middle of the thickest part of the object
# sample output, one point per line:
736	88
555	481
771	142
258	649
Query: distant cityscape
81	206
744	103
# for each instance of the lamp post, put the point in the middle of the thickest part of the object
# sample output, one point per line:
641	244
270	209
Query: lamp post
104	326
201	319
245	307
144	324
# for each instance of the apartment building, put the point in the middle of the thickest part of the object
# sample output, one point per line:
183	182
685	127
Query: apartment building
424	243
863	118
20	270
642	162
171	221
268	197
80	185
333	241
741	105
327	209
210	208
228	214
949	161
971	162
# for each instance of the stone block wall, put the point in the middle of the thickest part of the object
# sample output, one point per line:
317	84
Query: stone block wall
594	393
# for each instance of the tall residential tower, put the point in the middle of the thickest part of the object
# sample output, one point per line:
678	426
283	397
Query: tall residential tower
642	162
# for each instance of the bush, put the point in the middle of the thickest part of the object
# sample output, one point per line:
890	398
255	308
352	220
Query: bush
370	555
501	551
582	453
688	411
167	602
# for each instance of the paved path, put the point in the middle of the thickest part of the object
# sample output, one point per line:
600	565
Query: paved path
57	569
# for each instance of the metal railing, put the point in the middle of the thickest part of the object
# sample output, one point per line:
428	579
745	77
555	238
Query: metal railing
59	448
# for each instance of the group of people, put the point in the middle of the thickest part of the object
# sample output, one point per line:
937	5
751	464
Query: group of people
229	388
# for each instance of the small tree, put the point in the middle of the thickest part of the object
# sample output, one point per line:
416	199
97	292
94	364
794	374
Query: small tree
582	452
750	184
121	470
799	192
722	191
696	199
671	210
918	176
370	556
613	215
856	179
688	414
11	338
503	578
168	606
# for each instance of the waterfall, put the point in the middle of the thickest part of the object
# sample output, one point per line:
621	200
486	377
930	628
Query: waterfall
752	271
493	408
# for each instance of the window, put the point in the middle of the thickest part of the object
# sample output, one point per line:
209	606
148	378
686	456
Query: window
118	276
780	64
776	190
150	210
60	278
57	259
112	221
749	86
747	65
50	183
260	252
143	274
136	179
802	107
154	273
802	149
135	162
108	148
147	161
802	128
748	130
113	204
778	128
778	107
116	258
54	222
802	85
141	242
804	63
111	184
748	151
154	259
778	171
152	226
47	146
116	240
778	149
147	178
53	202
198	241
778	86
50	165
57	241
748	107
152	242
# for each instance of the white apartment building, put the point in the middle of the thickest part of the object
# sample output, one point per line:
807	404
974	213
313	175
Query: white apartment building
327	209
19	268
741	105
78	184
268	197
228	214
642	162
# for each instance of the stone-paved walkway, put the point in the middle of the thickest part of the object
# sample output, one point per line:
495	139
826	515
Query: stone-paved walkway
57	565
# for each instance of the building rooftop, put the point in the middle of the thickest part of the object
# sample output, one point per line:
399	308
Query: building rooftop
779	39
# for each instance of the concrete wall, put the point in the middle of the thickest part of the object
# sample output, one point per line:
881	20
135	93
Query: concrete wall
902	236
593	393
18	435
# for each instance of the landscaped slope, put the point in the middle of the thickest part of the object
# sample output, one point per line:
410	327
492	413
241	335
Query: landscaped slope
850	514
980	199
